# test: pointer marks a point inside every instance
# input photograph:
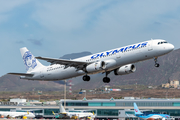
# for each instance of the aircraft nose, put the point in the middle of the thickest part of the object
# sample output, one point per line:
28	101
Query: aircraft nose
171	47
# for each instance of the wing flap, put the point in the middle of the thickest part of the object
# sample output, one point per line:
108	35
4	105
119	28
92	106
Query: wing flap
22	74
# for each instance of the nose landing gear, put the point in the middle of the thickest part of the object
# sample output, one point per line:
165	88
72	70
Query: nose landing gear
156	63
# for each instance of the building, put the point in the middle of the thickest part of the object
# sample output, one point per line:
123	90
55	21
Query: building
172	84
165	85
108	108
18	100
104	108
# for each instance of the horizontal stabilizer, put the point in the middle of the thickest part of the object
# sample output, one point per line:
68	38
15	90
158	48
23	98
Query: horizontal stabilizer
22	74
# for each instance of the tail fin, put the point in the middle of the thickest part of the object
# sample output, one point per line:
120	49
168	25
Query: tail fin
62	110
53	113
136	110
30	61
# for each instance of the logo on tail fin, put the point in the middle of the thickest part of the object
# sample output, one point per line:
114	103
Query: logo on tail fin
29	60
136	110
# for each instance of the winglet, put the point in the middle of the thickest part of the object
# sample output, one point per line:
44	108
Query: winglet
136	110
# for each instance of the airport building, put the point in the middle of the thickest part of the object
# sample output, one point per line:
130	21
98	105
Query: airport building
105	108
123	108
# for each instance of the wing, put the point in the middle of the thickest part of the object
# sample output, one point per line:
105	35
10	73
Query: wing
67	63
22	74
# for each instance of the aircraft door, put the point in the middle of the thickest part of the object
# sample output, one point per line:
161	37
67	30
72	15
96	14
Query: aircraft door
150	46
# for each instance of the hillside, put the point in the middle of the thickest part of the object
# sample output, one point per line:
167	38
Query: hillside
145	74
13	83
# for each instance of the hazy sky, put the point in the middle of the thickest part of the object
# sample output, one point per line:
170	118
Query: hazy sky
52	28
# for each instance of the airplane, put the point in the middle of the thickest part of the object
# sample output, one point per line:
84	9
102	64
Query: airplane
119	60
78	113
141	115
17	114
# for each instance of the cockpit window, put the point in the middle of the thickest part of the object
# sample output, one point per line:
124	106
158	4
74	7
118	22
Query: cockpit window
161	42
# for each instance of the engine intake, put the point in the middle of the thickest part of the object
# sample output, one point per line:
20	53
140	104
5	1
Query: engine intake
126	69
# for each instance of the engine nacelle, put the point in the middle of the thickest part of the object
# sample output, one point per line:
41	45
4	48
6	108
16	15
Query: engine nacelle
96	66
110	64
126	69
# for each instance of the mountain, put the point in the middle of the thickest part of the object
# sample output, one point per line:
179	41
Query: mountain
13	83
146	74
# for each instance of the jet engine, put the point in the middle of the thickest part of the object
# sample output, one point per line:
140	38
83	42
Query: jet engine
110	64
126	69
96	66
101	65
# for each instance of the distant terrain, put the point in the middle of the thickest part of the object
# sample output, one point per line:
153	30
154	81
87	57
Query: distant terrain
146	74
140	92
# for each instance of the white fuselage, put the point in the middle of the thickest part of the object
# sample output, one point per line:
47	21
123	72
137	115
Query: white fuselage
80	115
120	56
17	114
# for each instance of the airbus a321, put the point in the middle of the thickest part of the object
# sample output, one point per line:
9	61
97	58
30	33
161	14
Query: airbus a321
119	60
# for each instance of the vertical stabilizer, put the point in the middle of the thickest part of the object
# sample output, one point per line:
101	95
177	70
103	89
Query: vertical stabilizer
136	110
30	62
62	110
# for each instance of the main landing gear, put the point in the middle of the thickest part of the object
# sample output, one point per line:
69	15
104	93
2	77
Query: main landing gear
156	64
106	79
86	78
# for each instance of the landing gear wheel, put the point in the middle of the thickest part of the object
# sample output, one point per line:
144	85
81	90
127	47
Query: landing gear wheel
106	80
157	65
86	78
